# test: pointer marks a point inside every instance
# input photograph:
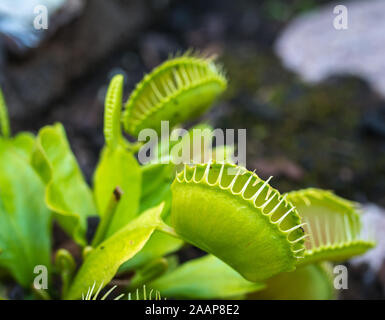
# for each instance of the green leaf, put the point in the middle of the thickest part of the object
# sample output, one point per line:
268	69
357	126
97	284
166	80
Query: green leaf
101	264
24	143
25	219
67	193
310	282
118	167
204	278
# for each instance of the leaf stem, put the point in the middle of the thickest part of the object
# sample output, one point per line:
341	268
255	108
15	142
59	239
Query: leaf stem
164	227
107	217
134	147
66	265
4	118
148	273
41	294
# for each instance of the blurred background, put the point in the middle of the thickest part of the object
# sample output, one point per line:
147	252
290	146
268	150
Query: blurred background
311	96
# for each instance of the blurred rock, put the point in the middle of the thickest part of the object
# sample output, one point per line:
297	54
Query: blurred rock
374	122
374	220
312	47
367	272
156	47
278	167
17	17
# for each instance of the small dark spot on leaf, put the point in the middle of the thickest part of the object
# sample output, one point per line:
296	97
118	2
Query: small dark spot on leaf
118	192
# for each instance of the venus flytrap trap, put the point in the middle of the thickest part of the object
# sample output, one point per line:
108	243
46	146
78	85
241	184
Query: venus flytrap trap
178	90
260	244
267	228
334	226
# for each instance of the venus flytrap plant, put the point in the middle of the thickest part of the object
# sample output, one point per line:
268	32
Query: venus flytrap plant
259	242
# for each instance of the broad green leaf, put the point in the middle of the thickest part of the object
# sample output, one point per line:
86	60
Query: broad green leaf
24	218
118	167
24	143
67	194
204	278
102	263
310	282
